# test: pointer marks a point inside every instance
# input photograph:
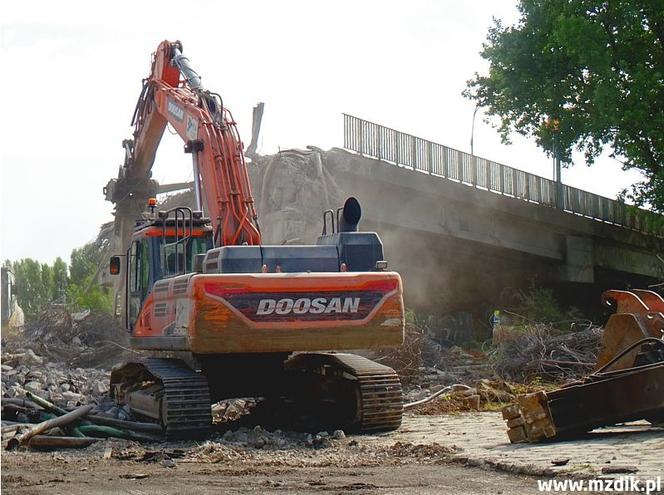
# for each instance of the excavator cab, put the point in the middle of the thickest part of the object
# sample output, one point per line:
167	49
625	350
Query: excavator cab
162	247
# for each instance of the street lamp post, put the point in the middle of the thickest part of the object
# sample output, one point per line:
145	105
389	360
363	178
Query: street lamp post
554	125
472	130
557	172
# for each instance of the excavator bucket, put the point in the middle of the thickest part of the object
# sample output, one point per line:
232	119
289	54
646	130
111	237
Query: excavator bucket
626	385
638	314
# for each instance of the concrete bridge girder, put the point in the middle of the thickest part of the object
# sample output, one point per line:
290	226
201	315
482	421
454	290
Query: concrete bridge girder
407	198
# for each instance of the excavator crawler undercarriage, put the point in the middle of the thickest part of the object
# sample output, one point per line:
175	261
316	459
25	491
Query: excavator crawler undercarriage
313	391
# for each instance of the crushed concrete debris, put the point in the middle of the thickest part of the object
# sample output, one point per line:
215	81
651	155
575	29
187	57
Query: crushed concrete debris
64	386
86	339
232	409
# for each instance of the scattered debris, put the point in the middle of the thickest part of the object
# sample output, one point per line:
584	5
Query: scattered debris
484	395
134	476
47	425
541	352
78	340
619	469
232	409
432	451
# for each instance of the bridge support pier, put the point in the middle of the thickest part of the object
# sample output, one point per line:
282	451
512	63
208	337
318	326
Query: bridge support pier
579	260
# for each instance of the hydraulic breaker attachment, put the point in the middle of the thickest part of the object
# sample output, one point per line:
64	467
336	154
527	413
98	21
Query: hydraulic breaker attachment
627	384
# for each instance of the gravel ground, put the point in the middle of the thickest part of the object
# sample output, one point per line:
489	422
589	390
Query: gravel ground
209	468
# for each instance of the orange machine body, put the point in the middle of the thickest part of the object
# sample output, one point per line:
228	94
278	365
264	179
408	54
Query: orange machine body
172	304
272	312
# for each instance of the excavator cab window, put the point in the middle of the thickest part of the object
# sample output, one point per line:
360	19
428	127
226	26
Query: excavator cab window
139	277
177	258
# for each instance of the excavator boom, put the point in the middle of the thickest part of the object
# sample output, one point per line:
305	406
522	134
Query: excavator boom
221	180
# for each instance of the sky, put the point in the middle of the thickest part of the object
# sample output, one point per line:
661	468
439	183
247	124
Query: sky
72	72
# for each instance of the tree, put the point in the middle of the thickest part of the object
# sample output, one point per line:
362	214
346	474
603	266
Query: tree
595	67
47	285
84	292
84	262
39	285
60	279
31	293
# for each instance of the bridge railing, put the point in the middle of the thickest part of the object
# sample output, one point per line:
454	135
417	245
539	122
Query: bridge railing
420	155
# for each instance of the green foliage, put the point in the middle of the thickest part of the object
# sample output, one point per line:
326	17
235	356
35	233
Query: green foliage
539	305
31	292
410	316
60	279
90	295
595	67
39	285
84	262
84	291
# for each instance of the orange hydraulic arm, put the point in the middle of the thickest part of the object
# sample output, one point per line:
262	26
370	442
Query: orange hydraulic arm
173	94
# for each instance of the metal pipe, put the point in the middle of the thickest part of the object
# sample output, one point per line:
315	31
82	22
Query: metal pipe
183	64
52	442
49	424
445	390
350	216
197	181
19	402
127	425
557	172
325	214
41	402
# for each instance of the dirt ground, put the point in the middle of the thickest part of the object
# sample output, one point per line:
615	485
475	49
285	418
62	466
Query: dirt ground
37	473
428	454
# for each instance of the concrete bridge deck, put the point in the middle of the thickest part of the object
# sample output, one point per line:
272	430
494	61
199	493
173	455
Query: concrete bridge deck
459	236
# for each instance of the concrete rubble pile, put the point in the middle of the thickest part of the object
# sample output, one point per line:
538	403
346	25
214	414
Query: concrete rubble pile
57	382
85	339
59	364
63	358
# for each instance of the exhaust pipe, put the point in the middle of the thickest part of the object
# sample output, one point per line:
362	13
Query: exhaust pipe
349	216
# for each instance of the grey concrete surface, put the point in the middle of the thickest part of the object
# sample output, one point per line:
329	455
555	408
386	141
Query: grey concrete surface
482	440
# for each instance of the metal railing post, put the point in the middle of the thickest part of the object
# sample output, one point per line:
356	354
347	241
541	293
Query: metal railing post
429	146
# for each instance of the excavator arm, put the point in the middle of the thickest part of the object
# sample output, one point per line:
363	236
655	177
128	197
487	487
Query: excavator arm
173	94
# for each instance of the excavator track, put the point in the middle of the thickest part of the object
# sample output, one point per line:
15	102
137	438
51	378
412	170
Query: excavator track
179	398
374	398
186	398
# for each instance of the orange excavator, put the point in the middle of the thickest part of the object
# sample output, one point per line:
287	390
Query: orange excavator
221	315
